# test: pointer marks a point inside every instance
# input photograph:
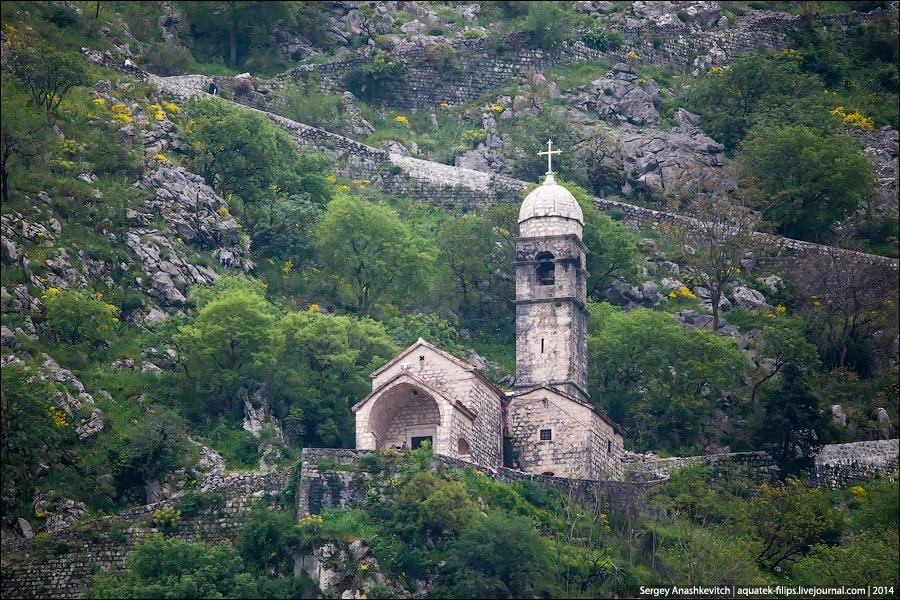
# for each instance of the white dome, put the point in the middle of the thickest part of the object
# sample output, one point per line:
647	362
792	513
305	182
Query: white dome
550	205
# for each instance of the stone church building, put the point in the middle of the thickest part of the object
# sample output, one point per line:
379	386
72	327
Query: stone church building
547	425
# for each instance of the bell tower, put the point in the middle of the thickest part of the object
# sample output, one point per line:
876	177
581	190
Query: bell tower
551	290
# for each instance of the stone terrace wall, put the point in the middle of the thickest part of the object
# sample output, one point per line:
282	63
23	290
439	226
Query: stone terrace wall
836	465
105	542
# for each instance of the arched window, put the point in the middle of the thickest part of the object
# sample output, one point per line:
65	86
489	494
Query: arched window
462	449
545	269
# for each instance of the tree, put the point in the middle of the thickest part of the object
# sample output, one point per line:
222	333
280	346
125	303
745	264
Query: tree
502	556
245	22
612	251
169	567
20	136
233	335
464	244
852	308
789	518
783	344
715	237
323	370
731	101
790	428
30	432
657	378
77	317
805	180
282	228
546	25
372	254
47	73
238	151
383	78
870	556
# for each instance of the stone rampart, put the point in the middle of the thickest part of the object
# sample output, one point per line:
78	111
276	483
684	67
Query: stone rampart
836	465
333	478
61	564
483	66
638	219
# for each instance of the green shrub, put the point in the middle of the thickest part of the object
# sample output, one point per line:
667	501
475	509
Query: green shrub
441	56
473	34
614	39
76	317
165	59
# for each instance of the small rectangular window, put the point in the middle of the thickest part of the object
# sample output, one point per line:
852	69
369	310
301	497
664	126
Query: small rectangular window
609	446
545	435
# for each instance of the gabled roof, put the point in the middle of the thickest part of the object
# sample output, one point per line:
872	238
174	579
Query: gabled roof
603	416
422	343
419	382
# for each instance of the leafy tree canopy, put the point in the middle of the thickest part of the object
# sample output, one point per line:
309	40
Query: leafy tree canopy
241	152
806	180
372	255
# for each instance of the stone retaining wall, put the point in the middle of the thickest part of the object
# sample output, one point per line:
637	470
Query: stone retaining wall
836	465
65	563
344	479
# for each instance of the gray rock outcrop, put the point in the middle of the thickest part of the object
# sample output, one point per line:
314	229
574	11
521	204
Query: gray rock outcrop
749	298
620	96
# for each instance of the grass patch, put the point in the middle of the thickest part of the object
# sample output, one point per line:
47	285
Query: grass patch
578	74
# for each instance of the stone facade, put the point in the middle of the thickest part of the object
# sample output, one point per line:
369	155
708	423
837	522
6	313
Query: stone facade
551	326
426	393
557	435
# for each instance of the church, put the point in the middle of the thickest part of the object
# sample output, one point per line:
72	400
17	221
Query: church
547	424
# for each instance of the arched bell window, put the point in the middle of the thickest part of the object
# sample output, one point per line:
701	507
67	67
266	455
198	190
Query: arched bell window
546	269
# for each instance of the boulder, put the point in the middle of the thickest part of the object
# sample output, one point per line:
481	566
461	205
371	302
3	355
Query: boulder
25	526
773	282
884	423
749	298
706	299
838	415
8	338
619	96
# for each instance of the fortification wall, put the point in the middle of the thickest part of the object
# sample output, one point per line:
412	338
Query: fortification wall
483	66
61	564
836	465
333	478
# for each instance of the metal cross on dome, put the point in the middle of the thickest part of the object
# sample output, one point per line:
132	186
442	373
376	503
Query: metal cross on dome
550	152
